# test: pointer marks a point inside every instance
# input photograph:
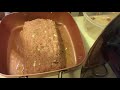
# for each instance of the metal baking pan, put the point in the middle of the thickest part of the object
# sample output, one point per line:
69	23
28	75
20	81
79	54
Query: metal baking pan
14	20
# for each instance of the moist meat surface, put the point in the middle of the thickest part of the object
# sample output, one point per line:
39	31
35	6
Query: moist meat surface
37	48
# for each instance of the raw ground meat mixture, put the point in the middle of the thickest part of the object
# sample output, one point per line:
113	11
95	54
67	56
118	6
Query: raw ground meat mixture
37	48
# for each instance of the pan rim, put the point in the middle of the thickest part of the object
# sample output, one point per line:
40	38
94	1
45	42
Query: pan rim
64	69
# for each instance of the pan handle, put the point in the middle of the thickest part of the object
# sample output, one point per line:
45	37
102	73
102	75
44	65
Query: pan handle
60	74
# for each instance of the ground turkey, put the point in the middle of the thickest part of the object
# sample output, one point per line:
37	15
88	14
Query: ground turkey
37	48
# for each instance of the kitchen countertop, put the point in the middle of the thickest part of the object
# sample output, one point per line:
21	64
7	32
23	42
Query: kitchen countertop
87	40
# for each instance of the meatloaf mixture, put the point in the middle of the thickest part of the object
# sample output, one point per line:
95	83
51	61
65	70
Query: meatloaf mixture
37	48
